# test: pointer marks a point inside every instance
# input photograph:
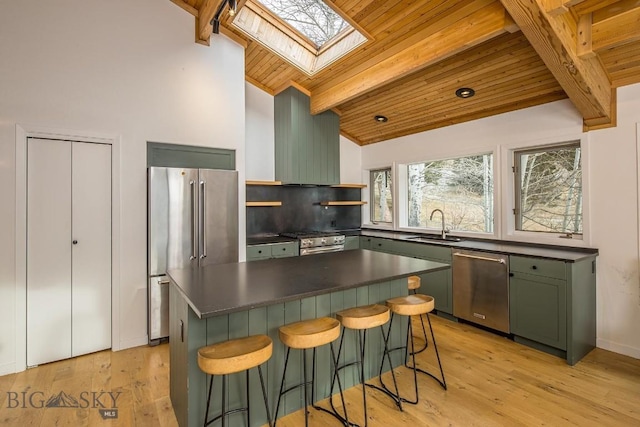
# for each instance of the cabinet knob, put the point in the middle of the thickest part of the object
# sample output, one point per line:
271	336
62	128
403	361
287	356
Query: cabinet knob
260	252
75	242
534	267
511	274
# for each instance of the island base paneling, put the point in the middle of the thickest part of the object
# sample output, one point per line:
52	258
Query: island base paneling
188	333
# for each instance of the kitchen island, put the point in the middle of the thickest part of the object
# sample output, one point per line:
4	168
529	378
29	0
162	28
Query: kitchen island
226	301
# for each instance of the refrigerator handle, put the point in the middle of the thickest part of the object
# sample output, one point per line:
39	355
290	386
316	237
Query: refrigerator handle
194	219
203	215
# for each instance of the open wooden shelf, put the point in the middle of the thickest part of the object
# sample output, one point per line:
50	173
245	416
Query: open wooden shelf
343	203
266	203
263	182
349	186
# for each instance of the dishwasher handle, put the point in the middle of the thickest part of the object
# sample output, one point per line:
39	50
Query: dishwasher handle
483	258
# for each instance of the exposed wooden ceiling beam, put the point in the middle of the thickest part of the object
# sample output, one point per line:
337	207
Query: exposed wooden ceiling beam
583	79
557	7
614	29
476	28
205	15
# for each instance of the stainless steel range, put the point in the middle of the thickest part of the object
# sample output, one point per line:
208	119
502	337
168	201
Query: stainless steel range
316	242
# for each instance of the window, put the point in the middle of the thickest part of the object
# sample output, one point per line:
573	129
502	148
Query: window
313	18
548	183
381	196
461	187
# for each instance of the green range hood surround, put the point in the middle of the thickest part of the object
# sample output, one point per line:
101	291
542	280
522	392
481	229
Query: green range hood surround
307	148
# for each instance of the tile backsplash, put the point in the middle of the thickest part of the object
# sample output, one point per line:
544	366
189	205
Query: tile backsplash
301	209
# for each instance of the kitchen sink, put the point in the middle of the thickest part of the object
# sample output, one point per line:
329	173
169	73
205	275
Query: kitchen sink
434	238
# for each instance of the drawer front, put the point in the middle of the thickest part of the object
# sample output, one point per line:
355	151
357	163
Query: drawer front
283	250
256	252
382	245
538	267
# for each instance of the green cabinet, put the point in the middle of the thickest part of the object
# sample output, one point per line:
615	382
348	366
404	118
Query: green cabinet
552	305
272	250
351	242
438	284
307	148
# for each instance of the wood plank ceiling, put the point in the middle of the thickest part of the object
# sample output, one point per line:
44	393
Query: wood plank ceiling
513	53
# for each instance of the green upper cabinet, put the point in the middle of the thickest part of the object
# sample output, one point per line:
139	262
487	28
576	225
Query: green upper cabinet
307	148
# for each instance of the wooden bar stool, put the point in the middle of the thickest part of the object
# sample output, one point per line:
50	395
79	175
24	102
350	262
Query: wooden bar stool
360	320
229	357
413	283
411	305
302	336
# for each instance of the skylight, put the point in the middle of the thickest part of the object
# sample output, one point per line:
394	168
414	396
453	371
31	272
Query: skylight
313	18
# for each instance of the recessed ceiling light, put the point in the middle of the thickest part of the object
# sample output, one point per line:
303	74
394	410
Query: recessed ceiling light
381	119
465	92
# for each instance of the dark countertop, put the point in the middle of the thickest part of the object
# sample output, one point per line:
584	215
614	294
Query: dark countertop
227	288
511	248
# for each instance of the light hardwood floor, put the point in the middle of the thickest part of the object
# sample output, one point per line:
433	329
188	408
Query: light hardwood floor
492	382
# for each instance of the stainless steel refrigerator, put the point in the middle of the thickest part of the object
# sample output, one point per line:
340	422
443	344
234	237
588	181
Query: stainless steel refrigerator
193	221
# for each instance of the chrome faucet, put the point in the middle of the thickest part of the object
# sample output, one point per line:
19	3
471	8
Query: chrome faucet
443	233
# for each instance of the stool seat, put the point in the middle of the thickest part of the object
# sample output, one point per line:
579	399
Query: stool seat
235	355
365	317
411	305
310	333
413	283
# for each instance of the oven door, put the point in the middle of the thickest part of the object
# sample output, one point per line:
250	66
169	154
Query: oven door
321	249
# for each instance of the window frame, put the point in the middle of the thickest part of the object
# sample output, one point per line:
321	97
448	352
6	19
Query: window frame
517	184
371	221
404	190
508	228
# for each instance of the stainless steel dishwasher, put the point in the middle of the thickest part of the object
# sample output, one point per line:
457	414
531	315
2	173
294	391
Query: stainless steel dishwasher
481	288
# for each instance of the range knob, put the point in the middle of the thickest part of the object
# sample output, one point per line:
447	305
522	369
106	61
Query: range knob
323	241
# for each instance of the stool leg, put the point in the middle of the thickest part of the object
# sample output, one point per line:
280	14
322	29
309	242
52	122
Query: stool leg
361	344
224	400
206	414
306	385
334	359
286	362
424	331
383	388
442	382
264	396
246	390
413	356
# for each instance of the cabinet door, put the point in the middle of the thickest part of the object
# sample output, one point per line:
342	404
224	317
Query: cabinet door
351	242
438	285
91	232
365	242
538	309
48	251
256	252
284	250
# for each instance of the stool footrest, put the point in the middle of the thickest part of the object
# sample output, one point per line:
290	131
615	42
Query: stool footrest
232	411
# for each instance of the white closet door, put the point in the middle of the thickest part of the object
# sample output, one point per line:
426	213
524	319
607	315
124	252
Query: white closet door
48	251
91	271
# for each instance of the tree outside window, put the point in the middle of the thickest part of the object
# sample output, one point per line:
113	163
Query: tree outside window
461	187
549	189
381	196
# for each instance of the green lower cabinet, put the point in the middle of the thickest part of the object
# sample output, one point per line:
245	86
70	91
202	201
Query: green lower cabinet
538	309
552	305
272	250
351	242
438	285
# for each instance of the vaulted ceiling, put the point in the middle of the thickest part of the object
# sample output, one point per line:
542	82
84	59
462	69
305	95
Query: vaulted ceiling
513	53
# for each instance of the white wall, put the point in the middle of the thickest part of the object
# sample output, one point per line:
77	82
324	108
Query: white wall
613	194
119	67
260	160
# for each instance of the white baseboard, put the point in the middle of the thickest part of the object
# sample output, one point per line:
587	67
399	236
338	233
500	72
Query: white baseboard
133	342
8	368
618	348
